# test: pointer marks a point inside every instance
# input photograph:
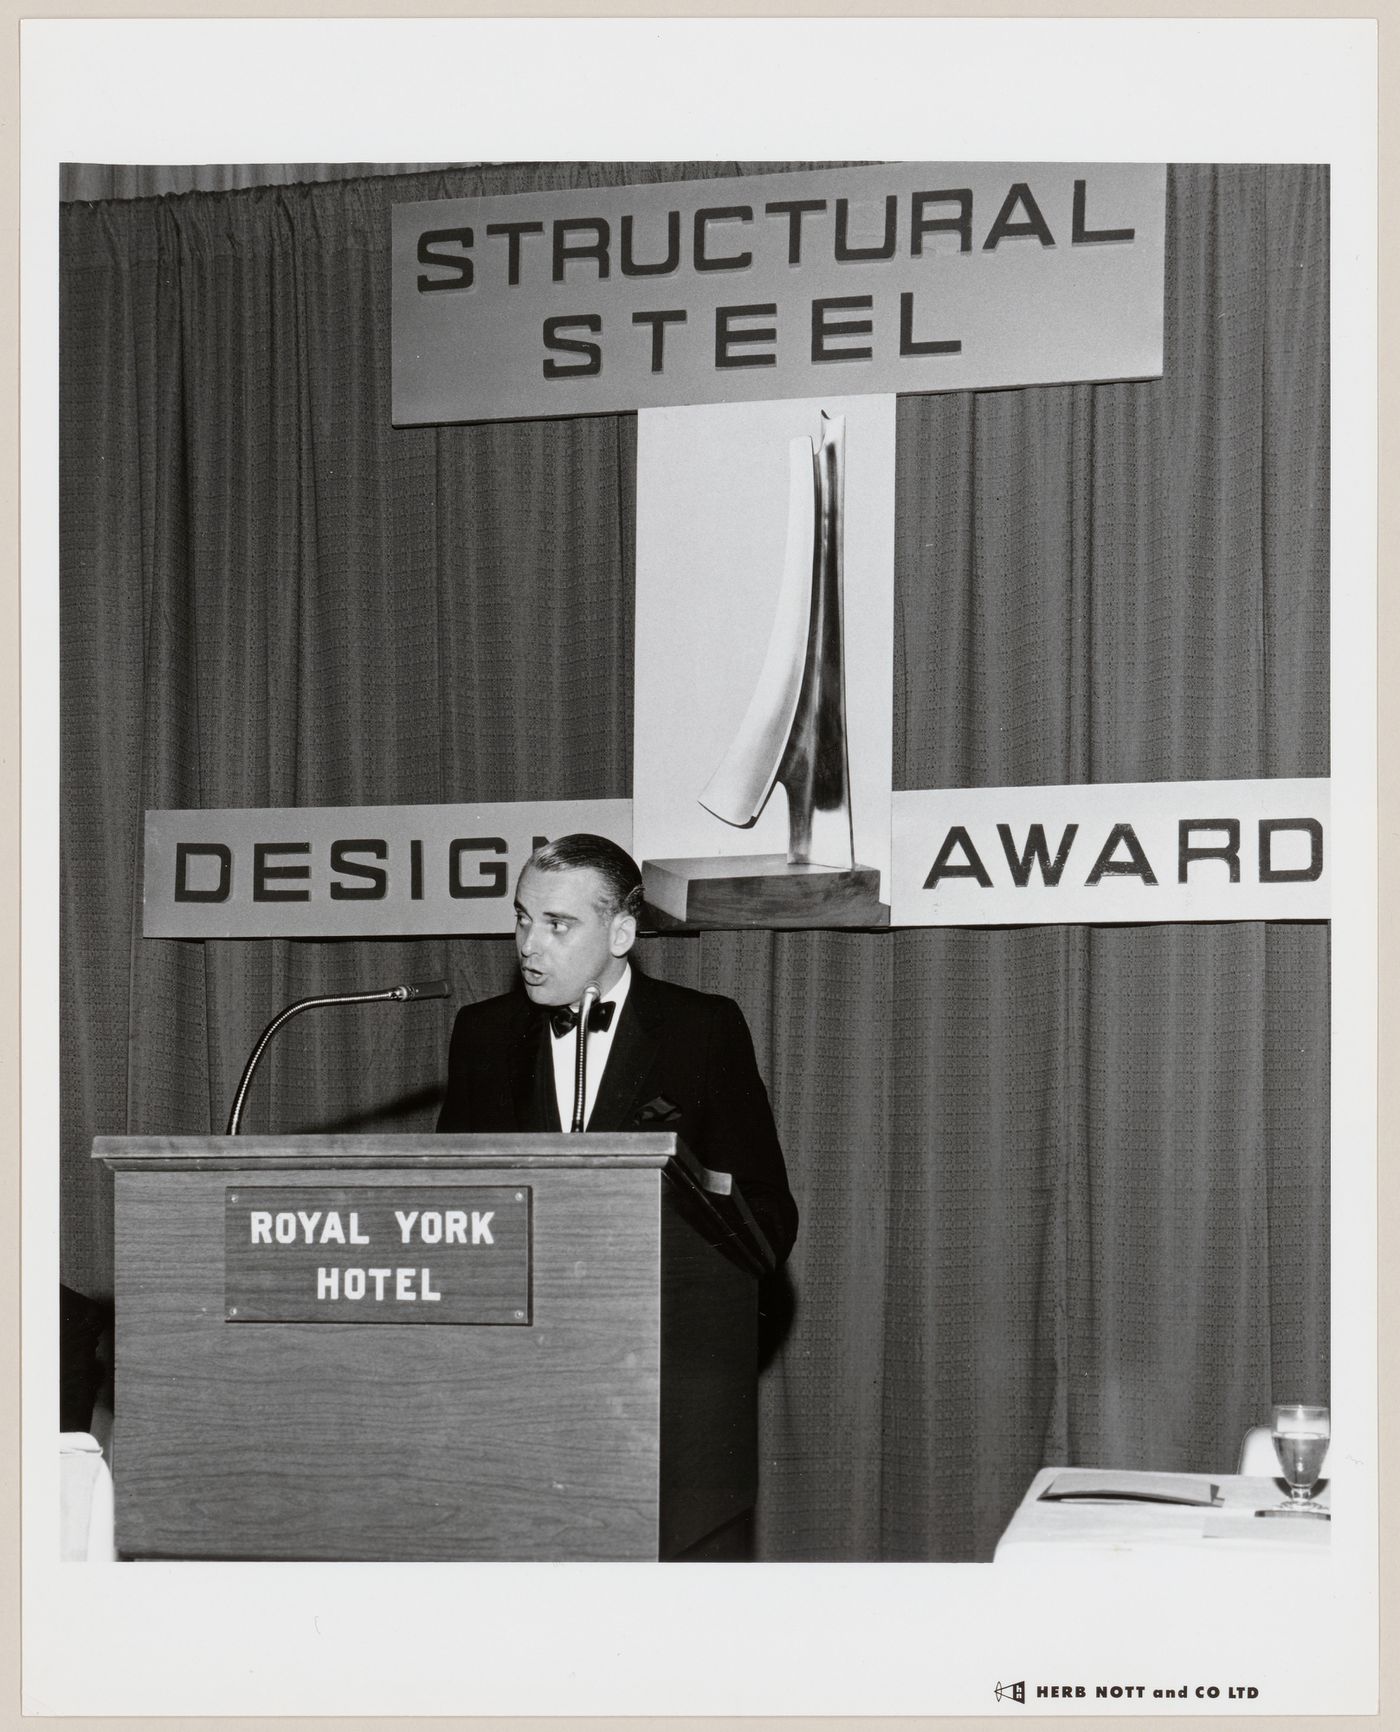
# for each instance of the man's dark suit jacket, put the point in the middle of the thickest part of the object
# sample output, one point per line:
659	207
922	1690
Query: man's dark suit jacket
681	1061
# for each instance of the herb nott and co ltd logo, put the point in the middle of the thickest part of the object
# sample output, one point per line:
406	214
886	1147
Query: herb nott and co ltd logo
1130	1692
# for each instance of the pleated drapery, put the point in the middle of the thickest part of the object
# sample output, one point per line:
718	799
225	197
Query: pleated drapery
1064	1189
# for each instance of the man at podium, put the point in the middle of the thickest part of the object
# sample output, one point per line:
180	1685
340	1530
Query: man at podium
659	1057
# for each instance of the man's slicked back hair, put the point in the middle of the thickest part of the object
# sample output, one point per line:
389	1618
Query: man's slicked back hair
614	865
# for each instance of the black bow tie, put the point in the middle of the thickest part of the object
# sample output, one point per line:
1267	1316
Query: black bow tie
563	1017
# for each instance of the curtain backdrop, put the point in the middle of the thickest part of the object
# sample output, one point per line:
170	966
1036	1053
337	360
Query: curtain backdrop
107	180
1064	1189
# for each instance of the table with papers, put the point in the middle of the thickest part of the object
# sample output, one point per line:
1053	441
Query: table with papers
1126	1512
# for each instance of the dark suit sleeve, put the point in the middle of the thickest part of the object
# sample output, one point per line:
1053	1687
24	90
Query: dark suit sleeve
740	1135
455	1114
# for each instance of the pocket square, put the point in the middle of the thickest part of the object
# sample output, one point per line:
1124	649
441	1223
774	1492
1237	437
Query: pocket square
658	1111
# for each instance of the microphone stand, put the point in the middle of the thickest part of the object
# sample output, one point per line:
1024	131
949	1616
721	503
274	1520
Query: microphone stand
391	994
591	995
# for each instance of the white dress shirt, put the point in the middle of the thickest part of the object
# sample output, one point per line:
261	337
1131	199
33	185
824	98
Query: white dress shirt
565	1048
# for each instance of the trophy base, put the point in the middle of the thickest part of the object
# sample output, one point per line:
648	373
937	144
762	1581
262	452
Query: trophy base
735	890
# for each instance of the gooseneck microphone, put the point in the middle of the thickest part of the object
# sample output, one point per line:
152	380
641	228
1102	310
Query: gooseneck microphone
390	995
591	995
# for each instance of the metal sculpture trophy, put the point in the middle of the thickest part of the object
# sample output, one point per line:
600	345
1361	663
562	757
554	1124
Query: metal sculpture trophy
793	733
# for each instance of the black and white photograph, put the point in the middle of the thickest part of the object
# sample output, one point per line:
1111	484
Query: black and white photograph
699	852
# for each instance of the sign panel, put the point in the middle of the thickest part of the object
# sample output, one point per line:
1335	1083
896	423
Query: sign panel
897	277
1087	852
377	1254
1108	852
352	871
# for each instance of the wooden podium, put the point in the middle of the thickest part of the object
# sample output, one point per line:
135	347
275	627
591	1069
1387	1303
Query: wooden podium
430	1347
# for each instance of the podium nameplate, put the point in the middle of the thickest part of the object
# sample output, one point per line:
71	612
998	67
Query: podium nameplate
377	1254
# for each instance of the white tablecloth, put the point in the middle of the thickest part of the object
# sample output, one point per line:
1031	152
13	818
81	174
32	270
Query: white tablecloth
1037	1528
86	1500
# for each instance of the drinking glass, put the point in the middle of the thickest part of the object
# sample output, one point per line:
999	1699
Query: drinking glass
1300	1440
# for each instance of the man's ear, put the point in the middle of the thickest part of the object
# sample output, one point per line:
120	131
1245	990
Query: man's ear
624	933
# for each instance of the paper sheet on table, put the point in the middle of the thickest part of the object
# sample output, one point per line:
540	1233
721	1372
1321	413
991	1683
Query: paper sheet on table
1132	1488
